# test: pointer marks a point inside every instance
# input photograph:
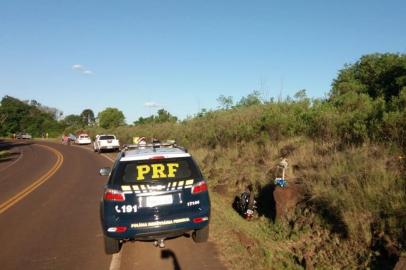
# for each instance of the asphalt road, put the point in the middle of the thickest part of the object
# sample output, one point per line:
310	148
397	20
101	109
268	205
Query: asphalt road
49	216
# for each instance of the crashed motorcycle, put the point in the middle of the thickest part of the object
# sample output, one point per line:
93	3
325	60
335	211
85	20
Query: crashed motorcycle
246	205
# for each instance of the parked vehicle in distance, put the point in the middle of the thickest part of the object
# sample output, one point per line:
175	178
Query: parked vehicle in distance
106	142
154	192
71	137
23	136
26	136
83	139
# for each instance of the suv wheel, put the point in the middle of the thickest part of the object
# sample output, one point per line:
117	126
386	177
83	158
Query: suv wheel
111	245
202	235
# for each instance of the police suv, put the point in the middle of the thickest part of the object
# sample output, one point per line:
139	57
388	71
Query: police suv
154	192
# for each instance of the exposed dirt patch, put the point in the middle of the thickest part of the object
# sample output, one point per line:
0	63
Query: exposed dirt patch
401	265
287	150
221	189
286	199
249	244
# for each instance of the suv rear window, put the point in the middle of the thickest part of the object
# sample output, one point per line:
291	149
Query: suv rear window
155	170
107	137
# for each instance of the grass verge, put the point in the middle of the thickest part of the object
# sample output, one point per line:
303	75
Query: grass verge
4	154
354	203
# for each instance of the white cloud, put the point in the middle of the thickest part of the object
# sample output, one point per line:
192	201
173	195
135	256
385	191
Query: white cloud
77	67
80	68
87	72
151	104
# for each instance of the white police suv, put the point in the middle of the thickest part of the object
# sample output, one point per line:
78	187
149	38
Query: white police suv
154	192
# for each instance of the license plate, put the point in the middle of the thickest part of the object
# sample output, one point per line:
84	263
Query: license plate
159	200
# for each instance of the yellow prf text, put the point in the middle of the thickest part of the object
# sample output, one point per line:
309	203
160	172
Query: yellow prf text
158	170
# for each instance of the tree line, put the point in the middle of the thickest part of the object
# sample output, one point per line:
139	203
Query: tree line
30	116
367	101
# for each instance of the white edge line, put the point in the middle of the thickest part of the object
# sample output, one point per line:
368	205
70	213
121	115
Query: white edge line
109	158
115	261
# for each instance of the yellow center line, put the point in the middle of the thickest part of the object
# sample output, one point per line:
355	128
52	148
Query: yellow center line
19	196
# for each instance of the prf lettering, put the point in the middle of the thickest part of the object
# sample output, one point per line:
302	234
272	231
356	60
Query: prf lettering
158	170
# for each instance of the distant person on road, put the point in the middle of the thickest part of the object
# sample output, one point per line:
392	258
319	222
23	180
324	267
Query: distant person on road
65	139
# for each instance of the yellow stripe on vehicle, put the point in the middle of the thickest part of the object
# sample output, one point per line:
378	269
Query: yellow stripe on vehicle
125	188
189	182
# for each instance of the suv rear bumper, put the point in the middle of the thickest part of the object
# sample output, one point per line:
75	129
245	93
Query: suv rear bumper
153	233
109	147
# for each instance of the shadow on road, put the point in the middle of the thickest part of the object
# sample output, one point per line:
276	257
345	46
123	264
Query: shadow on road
7	146
166	254
9	157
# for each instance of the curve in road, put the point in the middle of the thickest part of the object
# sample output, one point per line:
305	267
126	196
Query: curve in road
23	193
58	227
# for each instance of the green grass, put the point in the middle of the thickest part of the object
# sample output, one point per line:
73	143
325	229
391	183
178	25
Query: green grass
350	189
4	154
348	160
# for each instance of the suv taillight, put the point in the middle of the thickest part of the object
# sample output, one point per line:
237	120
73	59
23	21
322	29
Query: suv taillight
199	187
113	195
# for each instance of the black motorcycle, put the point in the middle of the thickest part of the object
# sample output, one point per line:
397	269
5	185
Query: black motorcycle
245	205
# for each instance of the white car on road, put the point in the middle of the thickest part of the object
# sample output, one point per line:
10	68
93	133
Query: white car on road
106	142
83	139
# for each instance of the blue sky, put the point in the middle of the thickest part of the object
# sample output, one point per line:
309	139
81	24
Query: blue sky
182	55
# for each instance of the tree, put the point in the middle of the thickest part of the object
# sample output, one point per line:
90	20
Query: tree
161	117
3	118
19	116
202	113
225	102
377	75
252	99
88	117
368	95
74	121
165	116
34	103
13	111
111	117
300	95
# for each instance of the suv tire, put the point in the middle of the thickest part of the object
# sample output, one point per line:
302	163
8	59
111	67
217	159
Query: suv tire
202	235
111	245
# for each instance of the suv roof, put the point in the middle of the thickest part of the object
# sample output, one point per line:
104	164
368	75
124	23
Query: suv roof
98	135
149	152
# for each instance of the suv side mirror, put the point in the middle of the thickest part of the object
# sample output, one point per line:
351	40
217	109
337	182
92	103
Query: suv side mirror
105	171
